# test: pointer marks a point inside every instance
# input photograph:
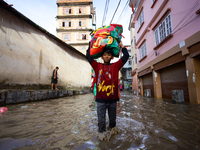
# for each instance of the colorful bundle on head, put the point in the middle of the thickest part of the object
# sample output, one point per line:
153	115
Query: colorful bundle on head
106	37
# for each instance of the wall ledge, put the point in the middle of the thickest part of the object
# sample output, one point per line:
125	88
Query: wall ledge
143	58
153	4
164	41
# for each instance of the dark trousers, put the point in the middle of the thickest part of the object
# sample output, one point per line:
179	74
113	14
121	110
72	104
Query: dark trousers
101	113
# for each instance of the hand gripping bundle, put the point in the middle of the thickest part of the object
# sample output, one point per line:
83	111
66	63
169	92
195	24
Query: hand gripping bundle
106	37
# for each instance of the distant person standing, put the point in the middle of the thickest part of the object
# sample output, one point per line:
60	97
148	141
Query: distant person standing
54	79
130	86
121	87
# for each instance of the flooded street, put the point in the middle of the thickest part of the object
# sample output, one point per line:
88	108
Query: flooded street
71	123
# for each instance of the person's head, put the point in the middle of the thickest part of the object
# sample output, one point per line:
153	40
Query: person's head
107	56
57	68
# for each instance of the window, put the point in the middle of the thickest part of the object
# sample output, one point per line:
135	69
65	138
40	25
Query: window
82	48
140	19
153	1
129	73
81	10
129	62
67	11
143	51
135	58
66	23
82	36
132	44
82	23
133	61
66	37
163	30
134	40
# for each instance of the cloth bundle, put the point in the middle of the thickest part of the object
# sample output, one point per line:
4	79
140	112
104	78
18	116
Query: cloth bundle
106	37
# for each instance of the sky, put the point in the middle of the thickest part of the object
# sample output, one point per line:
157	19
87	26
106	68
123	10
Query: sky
43	13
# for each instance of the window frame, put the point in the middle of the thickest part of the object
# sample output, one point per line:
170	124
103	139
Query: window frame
65	23
136	59
129	73
140	19
163	30
83	23
81	10
67	9
132	46
129	62
67	34
143	50
80	36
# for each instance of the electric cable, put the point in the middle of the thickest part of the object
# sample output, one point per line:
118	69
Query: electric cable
104	15
123	16
187	14
115	11
107	9
125	7
104	12
186	24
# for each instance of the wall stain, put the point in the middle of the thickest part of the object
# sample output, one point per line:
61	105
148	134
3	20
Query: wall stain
40	64
30	56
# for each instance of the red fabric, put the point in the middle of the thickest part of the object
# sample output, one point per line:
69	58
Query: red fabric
118	90
132	8
107	84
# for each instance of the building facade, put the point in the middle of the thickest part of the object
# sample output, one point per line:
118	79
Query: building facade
133	58
126	72
29	53
167	42
76	20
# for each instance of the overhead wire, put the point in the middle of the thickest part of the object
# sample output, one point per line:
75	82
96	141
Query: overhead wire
187	23
187	14
115	11
125	8
105	11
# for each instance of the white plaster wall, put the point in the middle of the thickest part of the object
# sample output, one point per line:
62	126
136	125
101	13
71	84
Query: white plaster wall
28	56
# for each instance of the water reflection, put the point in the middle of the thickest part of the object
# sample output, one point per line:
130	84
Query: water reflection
71	123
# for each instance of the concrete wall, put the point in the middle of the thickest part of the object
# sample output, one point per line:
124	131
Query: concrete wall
28	56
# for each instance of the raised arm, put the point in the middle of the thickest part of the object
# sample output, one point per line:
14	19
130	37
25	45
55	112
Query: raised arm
89	58
125	53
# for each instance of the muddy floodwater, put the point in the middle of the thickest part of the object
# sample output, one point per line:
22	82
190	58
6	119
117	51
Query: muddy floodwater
71	123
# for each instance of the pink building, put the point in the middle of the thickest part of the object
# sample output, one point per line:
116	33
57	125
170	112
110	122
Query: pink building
168	47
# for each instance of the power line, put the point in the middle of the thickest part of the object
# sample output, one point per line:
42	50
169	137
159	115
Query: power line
123	10
105	11
187	14
187	23
123	16
115	11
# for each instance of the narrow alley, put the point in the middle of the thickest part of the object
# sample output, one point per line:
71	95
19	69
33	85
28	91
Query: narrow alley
71	123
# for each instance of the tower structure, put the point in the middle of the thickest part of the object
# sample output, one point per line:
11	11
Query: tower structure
76	19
